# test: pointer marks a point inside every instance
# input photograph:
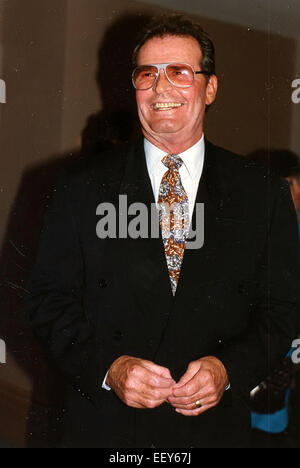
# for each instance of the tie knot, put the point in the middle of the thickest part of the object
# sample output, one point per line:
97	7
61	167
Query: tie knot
172	161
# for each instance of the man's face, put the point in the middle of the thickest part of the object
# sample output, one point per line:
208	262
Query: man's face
174	127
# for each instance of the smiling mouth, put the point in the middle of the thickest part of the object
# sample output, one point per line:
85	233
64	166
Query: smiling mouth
166	105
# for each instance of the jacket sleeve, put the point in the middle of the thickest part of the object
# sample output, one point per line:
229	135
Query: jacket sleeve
276	306
54	303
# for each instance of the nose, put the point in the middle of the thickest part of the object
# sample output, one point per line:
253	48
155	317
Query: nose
162	83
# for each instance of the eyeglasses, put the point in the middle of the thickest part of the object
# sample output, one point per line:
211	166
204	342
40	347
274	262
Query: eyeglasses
180	75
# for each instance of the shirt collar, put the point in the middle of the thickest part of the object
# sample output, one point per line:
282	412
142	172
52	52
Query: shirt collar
192	158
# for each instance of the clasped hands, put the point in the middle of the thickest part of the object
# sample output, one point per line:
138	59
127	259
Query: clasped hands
142	384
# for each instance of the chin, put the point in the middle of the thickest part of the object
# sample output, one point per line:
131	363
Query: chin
165	127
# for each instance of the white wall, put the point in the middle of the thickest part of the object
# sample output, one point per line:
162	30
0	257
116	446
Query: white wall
275	15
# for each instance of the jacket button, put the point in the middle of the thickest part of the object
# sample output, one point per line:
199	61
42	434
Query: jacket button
220	343
103	283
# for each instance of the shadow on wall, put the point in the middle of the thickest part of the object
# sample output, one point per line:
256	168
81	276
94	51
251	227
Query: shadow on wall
114	125
117	123
17	258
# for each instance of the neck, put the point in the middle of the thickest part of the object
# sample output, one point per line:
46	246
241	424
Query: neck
171	145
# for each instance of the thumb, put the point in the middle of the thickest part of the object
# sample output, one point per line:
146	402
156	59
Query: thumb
164	372
192	369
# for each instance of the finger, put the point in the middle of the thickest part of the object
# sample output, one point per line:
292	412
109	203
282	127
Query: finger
191	405
152	403
189	389
158	394
206	392
144	391
141	374
196	411
156	379
199	381
159	370
145	396
183	400
146	403
133	404
187	376
206	395
142	401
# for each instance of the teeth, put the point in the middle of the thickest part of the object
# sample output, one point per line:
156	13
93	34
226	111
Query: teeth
166	105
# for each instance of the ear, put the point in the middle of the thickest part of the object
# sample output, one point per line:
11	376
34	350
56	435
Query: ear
211	89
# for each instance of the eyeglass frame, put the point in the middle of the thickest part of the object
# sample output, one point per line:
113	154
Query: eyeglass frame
163	66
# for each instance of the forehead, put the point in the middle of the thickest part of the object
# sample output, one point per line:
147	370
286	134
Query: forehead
170	49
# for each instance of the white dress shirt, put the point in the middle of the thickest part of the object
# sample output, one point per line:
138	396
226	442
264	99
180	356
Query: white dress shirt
190	171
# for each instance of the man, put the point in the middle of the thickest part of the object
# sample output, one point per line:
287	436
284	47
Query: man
151	335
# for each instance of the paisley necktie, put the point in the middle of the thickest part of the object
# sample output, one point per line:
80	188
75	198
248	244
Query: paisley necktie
173	208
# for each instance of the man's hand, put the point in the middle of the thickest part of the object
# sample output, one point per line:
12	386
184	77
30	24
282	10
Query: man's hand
204	382
140	383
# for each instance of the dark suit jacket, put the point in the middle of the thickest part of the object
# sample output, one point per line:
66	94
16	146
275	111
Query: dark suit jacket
93	300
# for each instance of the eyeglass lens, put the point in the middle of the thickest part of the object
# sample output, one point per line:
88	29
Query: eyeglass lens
178	74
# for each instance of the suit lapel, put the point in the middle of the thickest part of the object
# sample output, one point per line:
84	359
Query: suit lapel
145	257
220	208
